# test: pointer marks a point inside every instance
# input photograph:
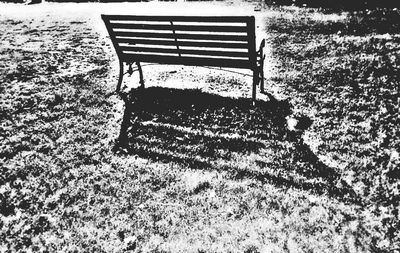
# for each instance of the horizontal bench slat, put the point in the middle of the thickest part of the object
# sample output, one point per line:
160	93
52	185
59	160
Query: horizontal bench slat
187	60
183	36
185	51
226	19
197	43
211	28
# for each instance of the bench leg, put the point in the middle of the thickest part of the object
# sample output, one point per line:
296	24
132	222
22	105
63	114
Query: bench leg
140	75
255	82
262	74
260	63
121	74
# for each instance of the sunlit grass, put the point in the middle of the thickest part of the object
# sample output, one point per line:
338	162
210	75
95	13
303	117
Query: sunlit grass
202	170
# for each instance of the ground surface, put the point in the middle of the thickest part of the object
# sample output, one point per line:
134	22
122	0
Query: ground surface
207	173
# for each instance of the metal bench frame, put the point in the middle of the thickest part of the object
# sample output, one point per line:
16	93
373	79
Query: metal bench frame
214	45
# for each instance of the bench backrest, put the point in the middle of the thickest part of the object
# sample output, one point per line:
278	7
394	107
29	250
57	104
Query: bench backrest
224	41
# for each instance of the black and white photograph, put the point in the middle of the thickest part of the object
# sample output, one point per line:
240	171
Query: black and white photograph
200	126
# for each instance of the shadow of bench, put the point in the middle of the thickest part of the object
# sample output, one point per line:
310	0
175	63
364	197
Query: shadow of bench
209	132
194	112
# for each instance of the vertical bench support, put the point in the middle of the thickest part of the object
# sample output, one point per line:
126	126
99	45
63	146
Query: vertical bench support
253	55
141	81
175	38
121	74
106	20
261	64
262	76
256	80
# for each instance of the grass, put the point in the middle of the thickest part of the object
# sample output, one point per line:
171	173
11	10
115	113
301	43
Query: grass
201	170
345	73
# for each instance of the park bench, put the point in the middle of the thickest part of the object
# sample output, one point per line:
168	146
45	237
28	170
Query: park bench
222	41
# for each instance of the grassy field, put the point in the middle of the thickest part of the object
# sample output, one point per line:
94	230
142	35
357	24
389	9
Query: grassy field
202	169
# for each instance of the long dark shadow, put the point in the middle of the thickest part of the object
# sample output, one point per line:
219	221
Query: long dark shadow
206	131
